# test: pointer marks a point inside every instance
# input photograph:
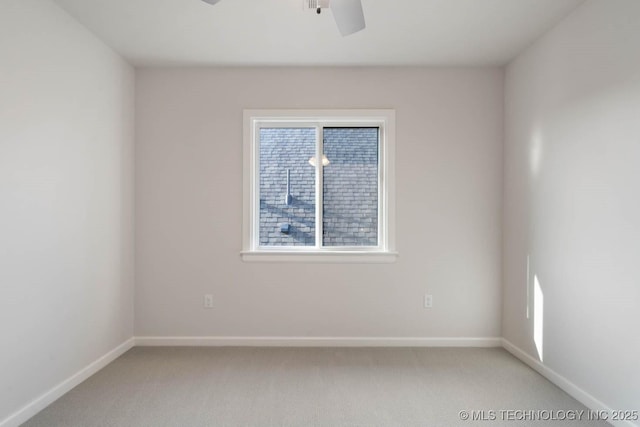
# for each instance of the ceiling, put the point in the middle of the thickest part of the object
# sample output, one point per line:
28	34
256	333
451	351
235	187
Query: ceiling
281	32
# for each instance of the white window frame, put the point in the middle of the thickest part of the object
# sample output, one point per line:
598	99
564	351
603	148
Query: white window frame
385	252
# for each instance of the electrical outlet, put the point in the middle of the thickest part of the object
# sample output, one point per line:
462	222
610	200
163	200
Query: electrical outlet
428	301
208	301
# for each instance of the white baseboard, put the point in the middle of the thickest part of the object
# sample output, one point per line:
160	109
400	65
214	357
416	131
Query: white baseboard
567	386
317	342
38	404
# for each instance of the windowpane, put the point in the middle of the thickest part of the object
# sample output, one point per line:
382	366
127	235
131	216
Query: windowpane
287	213
350	187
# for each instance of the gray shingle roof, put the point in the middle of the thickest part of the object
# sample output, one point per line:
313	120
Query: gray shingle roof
350	215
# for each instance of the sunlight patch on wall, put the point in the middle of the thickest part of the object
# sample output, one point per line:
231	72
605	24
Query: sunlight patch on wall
528	288
535	155
538	317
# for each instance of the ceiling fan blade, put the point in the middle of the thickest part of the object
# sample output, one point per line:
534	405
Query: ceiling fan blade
348	15
211	1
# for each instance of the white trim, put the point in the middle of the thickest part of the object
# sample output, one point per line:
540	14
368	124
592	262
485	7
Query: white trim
570	388
317	342
388	182
321	257
41	402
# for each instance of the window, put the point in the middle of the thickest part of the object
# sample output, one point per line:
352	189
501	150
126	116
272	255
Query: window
319	186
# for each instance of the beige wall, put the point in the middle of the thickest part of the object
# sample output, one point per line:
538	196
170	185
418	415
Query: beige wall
66	200
572	206
189	207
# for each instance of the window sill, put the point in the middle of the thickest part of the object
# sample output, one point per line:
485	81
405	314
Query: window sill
334	257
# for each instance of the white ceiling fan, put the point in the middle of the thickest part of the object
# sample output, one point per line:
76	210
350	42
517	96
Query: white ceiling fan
347	13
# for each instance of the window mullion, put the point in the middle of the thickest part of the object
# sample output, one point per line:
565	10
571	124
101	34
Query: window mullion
319	185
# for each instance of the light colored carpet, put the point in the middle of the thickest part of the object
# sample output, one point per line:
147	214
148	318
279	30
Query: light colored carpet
308	387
